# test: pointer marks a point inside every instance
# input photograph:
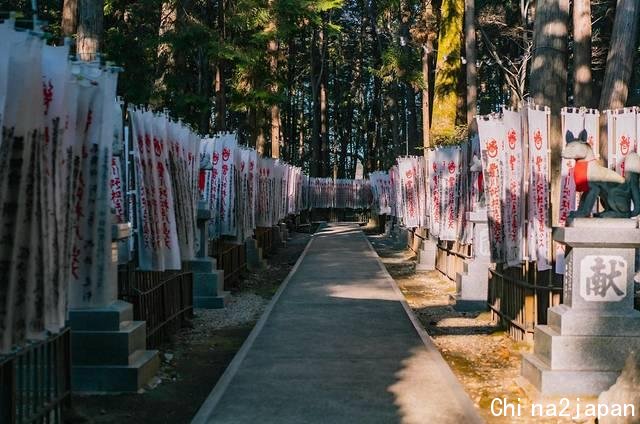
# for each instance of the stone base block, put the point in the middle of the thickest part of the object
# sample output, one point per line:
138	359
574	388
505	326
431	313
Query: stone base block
208	284
109	350
254	255
208	290
101	319
427	256
116	378
109	347
565	382
473	285
211	302
568	321
277	238
203	265
582	353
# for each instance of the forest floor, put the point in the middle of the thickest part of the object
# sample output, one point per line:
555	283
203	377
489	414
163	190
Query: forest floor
481	355
193	362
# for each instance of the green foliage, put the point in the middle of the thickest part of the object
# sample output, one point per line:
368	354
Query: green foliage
458	136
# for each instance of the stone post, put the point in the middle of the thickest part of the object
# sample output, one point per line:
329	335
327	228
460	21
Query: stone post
583	348
208	282
107	346
472	286
427	254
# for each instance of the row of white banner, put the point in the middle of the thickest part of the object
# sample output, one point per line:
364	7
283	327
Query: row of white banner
58	120
242	191
508	165
325	193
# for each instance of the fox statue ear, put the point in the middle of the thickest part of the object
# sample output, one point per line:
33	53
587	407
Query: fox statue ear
583	136
569	137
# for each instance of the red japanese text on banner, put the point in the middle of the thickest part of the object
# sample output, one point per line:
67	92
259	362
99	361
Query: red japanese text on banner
513	209
492	133
449	181
539	223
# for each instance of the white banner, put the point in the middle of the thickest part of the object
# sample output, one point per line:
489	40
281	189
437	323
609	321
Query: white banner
420	164
539	222
435	169
513	181
396	192
623	130
492	133
449	185
409	192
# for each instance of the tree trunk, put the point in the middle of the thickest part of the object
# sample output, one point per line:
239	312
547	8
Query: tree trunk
259	135
69	18
375	129
426	115
220	86
290	121
472	72
316	79
324	127
549	78
624	41
392	112
275	131
165	55
90	27
582	92
445	101
324	106
272	53
221	99
409	92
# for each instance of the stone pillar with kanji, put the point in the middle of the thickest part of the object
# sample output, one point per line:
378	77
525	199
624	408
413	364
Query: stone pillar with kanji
588	338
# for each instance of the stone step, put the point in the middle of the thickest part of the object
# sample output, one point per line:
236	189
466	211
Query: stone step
108	347
101	319
570	322
599	353
116	378
211	302
565	382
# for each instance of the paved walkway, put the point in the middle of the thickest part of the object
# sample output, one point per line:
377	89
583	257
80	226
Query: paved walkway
338	344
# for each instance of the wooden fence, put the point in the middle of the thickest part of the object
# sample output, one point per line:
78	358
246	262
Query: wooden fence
35	382
232	259
265	238
164	299
518	297
451	257
339	215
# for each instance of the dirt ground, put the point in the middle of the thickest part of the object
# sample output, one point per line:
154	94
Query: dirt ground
481	355
194	361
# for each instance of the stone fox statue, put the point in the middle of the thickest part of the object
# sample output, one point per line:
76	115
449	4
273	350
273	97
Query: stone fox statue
595	181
